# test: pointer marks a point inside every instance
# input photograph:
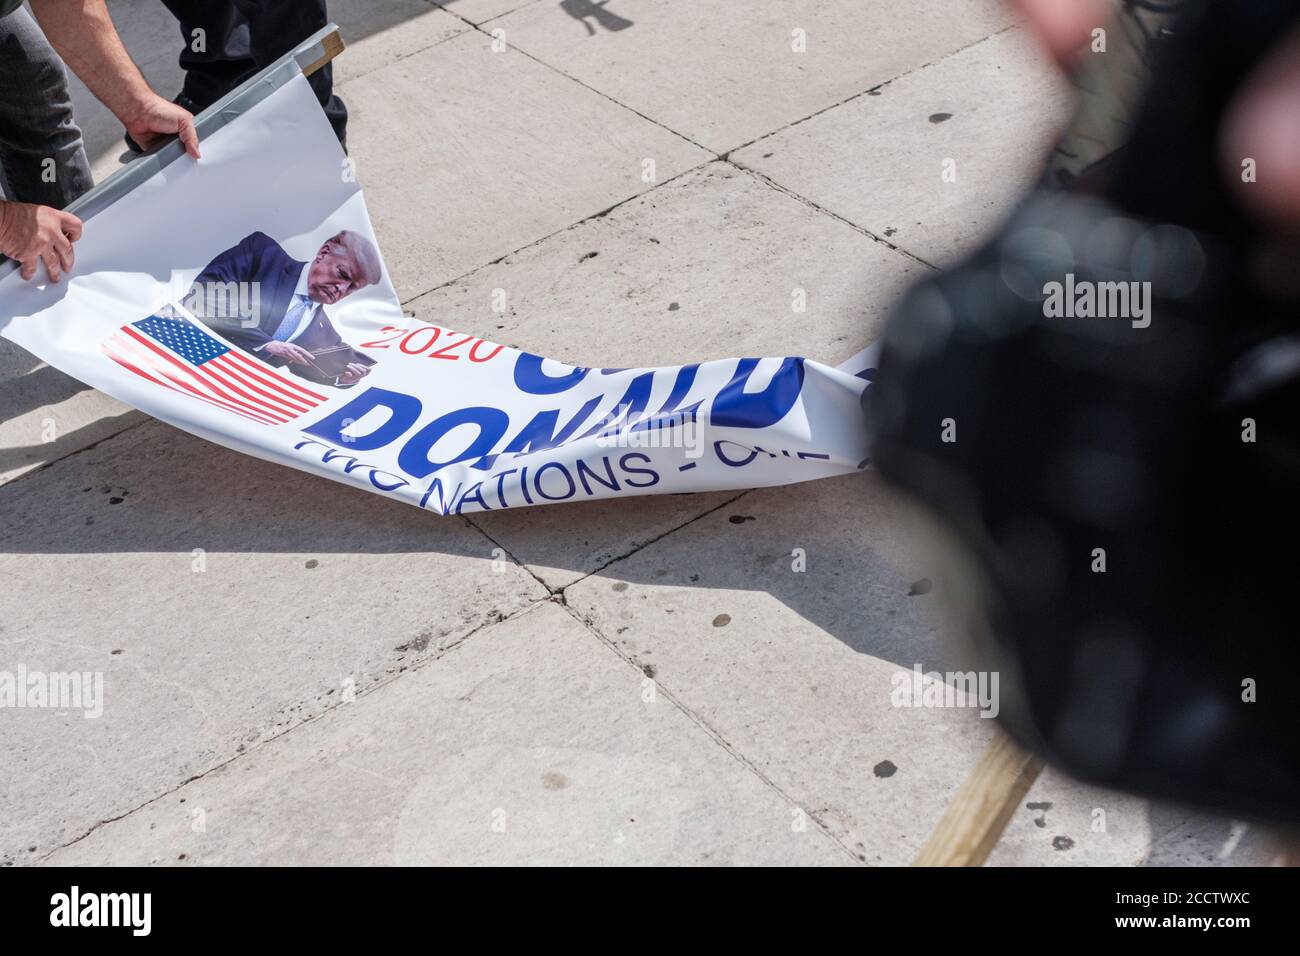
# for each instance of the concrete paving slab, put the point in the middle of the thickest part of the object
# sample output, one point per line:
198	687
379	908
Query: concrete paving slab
797	669
481	11
45	415
223	600
879	160
708	266
512	152
564	543
1062	822
711	265
530	743
726	74
376	32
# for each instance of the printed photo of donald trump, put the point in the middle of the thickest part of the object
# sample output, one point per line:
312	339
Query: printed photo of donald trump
273	306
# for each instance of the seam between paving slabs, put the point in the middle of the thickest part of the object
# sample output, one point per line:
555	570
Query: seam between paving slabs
879	86
536	59
559	591
780	129
442	5
767	180
713	733
601	214
716	157
373	688
763	177
505	13
399	59
77	451
558	597
550	591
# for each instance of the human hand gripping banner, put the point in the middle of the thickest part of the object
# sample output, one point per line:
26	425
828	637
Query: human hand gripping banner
244	299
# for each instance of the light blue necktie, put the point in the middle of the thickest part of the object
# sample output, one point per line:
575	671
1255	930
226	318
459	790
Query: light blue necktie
291	318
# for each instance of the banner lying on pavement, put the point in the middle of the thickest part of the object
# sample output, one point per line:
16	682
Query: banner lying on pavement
243	298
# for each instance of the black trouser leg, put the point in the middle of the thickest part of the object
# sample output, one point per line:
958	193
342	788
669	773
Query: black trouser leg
42	158
216	55
244	36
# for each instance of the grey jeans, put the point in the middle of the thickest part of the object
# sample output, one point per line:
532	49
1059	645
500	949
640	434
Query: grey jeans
42	159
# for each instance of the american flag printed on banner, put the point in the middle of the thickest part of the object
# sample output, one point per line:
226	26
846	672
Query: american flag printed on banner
178	355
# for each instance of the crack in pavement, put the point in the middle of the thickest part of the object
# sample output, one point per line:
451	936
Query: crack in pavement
378	685
559	597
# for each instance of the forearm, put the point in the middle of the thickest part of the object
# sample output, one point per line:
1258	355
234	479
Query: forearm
6	243
83	34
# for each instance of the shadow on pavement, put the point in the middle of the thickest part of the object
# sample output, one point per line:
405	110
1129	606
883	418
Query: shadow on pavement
154	489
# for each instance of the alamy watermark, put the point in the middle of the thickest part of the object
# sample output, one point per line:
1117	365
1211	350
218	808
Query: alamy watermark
677	430
233	301
130	910
1084	299
918	688
53	690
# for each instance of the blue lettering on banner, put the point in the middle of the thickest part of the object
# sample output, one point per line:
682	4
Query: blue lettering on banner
733	462
549	481
404	410
501	479
530	378
649	473
436	485
540	434
477	489
585	471
352	463
628	408
732	407
736	408
492	424
537	482
669	414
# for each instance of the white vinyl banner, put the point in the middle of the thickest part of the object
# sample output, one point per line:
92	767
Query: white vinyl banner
243	298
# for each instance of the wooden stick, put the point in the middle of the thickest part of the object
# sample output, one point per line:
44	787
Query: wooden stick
332	45
982	806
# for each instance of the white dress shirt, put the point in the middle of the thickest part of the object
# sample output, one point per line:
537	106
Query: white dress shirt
299	296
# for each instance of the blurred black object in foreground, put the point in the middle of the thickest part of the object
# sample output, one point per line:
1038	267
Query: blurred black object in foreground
1103	408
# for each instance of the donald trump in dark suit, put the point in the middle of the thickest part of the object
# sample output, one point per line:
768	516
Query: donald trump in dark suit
288	325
